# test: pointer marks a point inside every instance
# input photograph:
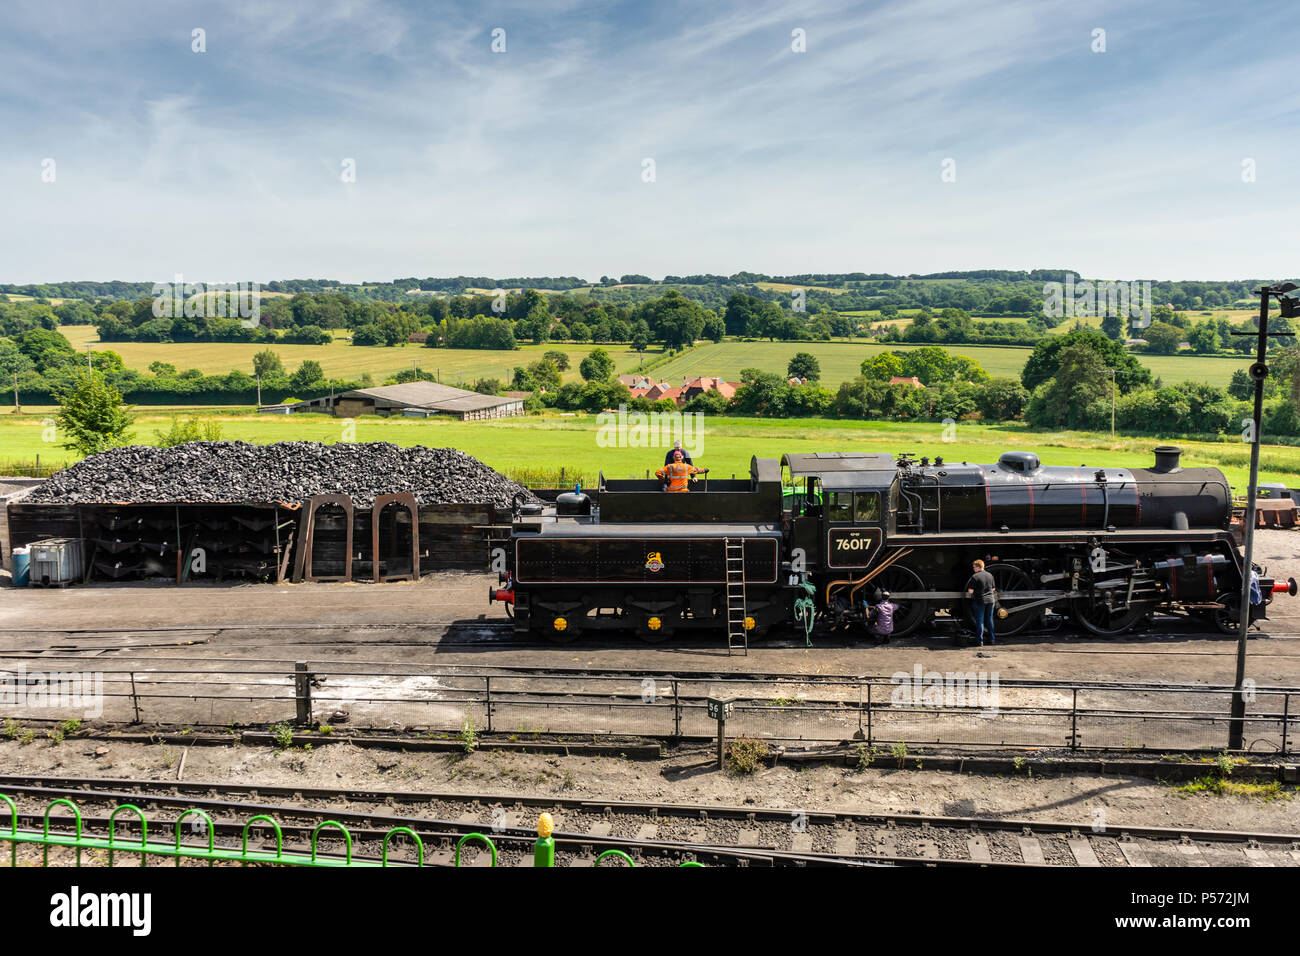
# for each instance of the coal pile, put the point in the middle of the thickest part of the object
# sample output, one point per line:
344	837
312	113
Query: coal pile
232	471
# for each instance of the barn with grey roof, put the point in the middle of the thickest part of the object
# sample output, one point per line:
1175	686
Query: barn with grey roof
414	400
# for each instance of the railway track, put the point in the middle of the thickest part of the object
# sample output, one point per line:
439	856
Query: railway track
499	636
655	833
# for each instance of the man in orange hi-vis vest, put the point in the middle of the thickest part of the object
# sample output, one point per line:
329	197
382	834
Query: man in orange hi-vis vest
678	475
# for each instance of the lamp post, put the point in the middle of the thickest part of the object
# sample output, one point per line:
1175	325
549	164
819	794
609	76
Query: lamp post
1258	372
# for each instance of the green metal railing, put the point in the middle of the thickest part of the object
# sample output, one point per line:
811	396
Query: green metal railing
79	841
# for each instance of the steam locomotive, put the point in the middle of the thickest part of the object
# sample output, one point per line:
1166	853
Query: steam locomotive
811	538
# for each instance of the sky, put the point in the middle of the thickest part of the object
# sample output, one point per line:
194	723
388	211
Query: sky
375	139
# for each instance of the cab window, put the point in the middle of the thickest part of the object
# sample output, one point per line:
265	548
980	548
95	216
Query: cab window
840	506
866	506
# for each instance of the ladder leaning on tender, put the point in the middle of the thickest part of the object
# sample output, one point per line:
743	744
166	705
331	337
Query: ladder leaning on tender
737	636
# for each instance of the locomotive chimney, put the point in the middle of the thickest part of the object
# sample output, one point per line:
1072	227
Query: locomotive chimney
1167	459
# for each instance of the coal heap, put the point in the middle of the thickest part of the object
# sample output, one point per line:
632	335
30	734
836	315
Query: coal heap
235	471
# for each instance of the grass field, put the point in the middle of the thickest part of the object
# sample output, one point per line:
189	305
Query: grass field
340	359
15	297
790	287
840	361
1235	316
526	446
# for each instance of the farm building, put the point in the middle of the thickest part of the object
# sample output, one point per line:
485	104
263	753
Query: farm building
414	399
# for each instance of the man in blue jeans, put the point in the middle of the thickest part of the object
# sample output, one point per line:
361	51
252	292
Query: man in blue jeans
984	595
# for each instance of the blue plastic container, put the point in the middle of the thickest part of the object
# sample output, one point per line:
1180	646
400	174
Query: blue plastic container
22	564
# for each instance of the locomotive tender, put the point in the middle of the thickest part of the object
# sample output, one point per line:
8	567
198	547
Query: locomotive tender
812	537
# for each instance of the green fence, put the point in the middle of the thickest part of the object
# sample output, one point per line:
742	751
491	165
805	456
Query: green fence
146	847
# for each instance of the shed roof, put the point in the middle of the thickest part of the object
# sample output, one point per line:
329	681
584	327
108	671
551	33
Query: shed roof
431	395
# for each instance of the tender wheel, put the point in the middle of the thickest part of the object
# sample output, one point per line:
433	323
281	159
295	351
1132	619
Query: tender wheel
654	637
1008	579
568	635
668	620
911	613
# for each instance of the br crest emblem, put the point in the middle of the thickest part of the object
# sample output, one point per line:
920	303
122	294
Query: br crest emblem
654	561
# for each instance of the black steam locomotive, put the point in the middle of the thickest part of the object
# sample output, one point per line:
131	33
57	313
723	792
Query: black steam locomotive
810	539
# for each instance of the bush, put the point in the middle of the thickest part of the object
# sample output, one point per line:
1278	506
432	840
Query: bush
481	333
745	755
368	334
93	415
282	734
183	432
1282	419
307	335
468	735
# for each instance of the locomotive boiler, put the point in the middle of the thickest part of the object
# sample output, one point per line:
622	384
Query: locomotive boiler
812	537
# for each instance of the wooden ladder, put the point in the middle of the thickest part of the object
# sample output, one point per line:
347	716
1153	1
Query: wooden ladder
737	636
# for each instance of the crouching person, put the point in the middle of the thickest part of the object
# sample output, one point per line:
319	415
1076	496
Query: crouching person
880	617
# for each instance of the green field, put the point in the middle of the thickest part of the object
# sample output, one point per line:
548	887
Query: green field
526	447
340	359
840	361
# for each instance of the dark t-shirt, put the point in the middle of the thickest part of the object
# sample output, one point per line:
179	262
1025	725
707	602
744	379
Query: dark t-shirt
668	458
981	583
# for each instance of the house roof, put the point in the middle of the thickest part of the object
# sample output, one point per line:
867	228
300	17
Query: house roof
913	381
711	384
662	390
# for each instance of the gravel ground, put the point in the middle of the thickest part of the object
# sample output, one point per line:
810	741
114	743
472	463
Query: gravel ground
1279	551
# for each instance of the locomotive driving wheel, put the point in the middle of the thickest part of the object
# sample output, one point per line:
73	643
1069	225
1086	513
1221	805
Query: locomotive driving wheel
1107	620
1008	579
1228	618
912	612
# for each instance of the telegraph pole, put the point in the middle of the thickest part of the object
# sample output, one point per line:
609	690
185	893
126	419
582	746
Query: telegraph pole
1258	372
1112	403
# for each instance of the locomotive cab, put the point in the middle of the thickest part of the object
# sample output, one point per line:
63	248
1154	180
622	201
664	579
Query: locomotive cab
839	507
